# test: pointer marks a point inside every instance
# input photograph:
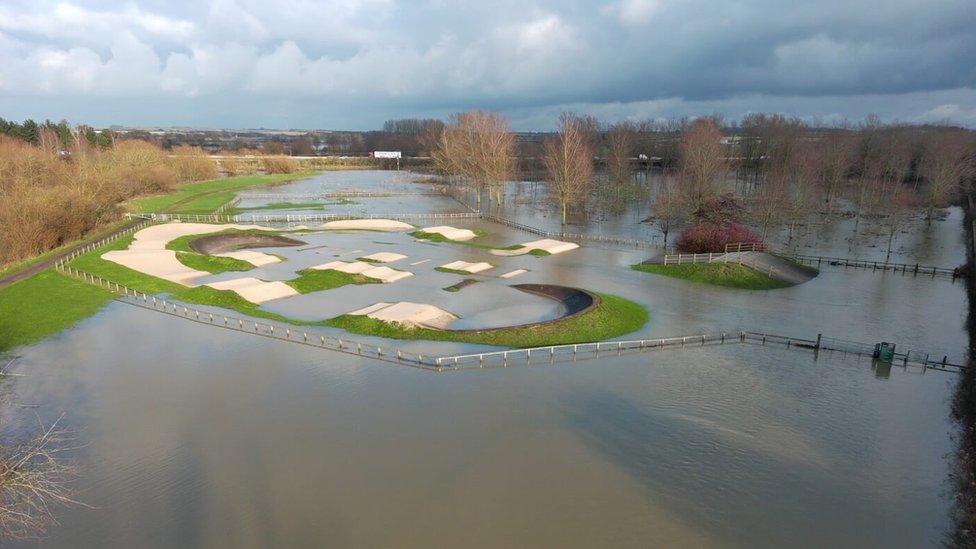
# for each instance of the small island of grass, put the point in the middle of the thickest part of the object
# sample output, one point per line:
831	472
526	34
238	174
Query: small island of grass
729	275
315	280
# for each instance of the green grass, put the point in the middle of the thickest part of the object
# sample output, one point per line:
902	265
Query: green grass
614	317
314	280
729	275
211	263
452	271
206	196
538	252
45	304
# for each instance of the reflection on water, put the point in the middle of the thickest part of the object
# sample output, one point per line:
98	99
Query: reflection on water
204	437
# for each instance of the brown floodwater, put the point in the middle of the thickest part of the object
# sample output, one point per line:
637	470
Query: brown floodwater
201	437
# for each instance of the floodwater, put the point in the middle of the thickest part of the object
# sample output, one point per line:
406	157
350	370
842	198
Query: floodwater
200	437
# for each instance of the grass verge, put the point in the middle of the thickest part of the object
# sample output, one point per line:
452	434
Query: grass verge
728	275
614	317
45	304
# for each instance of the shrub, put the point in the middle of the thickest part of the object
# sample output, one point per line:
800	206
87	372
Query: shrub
713	237
192	164
279	164
720	210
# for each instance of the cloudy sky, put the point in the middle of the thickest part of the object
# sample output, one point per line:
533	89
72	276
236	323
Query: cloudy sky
352	64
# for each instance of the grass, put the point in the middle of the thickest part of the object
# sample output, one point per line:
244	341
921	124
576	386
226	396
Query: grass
452	271
729	275
212	264
45	304
206	196
613	317
314	280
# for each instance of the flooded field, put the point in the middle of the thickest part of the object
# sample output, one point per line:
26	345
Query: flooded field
197	436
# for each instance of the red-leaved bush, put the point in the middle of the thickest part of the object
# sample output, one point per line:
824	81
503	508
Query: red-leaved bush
712	237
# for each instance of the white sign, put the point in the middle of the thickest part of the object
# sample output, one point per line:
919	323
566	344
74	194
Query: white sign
386	154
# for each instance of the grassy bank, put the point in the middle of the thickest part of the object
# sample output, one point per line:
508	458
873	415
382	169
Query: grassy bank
614	317
729	275
207	196
43	305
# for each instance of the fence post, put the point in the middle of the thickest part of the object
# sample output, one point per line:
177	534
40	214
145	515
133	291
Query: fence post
819	337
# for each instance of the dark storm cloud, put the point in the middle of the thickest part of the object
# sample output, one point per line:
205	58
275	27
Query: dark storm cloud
311	63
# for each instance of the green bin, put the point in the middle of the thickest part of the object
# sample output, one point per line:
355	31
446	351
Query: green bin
884	351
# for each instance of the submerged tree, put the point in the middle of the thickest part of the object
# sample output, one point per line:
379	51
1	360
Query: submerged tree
621	138
568	159
667	209
478	146
703	164
947	162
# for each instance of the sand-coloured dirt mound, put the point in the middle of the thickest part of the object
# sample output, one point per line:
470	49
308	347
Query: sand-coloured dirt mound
384	274
384	257
514	273
466	267
255	290
148	254
258	259
409	314
220	244
389	225
451	233
546	245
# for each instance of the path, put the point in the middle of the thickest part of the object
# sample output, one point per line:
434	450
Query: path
32	270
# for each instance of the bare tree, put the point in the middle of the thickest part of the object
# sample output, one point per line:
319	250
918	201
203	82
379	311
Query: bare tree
478	146
835	152
33	479
668	207
947	161
897	210
620	147
568	159
703	163
804	168
771	198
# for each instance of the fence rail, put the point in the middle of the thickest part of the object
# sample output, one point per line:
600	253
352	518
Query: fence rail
333	195
430	361
873	265
296	218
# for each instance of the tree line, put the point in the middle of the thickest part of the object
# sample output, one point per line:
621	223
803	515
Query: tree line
782	168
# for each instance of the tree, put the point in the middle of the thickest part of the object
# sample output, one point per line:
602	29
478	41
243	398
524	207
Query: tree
667	207
836	151
804	168
703	164
620	147
947	161
897	209
568	158
478	146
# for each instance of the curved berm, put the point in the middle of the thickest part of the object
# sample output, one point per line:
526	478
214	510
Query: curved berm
224	243
576	301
